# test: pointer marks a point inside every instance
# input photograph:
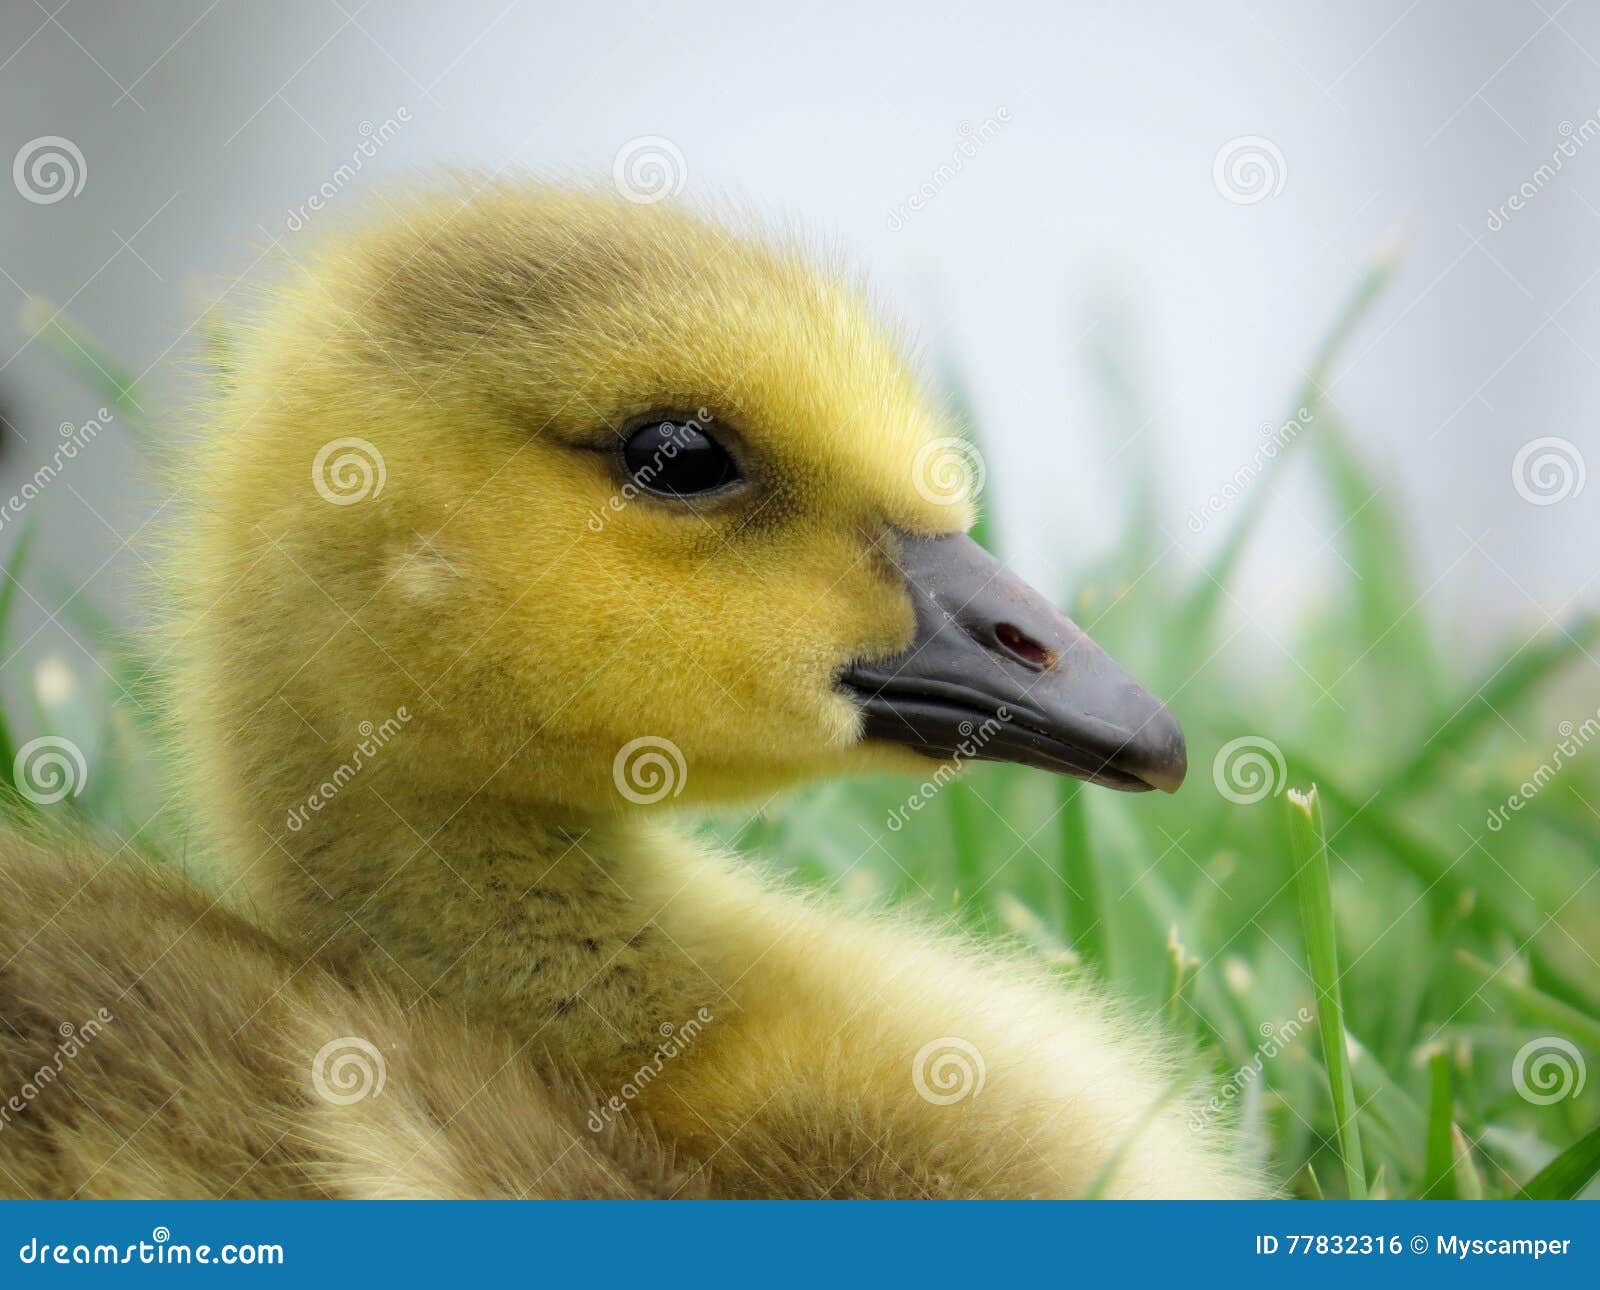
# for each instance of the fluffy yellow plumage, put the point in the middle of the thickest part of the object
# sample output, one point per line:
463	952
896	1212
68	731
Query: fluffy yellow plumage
483	621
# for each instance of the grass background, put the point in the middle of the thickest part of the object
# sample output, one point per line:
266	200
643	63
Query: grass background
1431	949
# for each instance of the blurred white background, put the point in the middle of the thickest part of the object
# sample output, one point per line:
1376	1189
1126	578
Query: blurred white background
1090	215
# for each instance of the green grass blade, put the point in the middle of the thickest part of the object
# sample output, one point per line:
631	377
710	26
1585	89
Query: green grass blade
1181	969
1314	1184
1322	953
80	352
1083	924
1569	1173
1199	610
1366	817
1386	1105
1109	353
1435	870
1398	672
13	571
1438	1174
9	582
1380	1183
1534	1004
965	810
1505	686
1468	1180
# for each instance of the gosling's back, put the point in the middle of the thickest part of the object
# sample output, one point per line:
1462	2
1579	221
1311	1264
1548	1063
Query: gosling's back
154	1044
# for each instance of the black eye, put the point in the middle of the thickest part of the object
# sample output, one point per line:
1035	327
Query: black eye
676	458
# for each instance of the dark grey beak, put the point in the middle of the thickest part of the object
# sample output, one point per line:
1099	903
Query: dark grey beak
997	673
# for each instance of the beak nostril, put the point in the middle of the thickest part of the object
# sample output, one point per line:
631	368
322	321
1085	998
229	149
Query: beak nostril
1023	648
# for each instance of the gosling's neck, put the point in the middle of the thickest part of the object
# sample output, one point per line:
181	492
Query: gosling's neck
538	921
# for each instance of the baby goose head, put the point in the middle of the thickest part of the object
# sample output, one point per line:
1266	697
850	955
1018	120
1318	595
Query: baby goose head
620	506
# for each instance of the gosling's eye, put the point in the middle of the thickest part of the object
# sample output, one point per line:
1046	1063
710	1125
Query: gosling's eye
677	459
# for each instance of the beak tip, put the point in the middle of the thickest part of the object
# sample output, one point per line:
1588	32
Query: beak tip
1163	762
1169	778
